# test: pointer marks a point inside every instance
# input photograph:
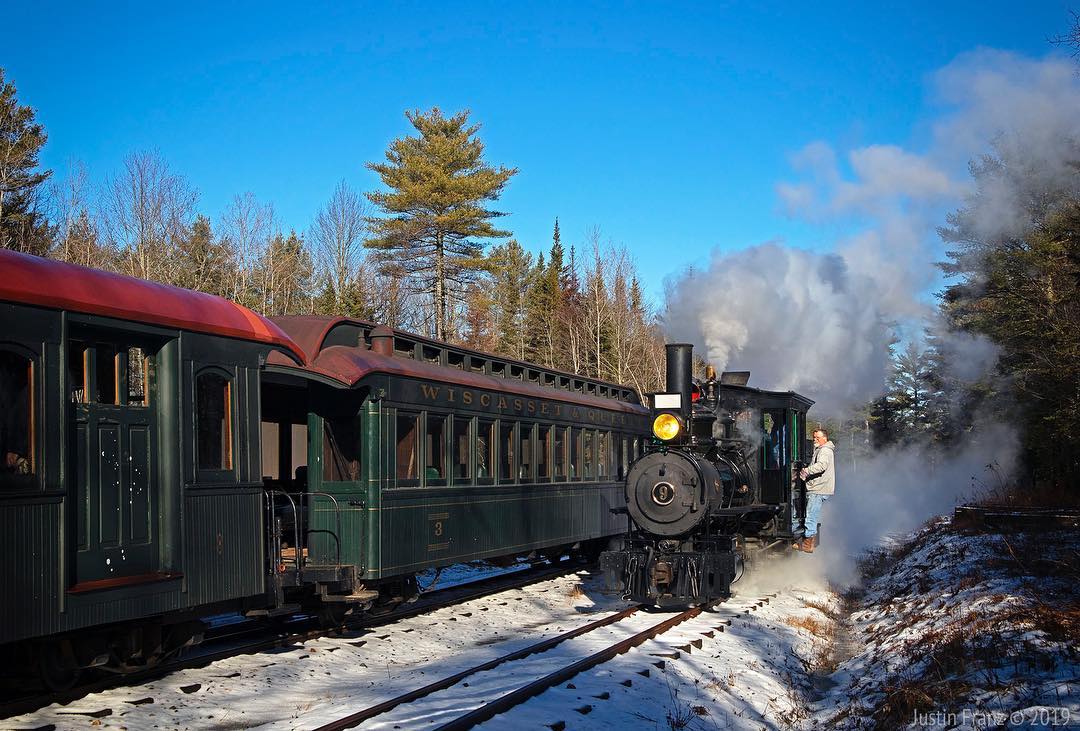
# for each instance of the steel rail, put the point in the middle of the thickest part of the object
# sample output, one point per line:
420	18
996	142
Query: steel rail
434	601
535	688
514	698
452	680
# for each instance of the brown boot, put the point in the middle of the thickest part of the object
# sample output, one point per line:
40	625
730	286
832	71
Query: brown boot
808	545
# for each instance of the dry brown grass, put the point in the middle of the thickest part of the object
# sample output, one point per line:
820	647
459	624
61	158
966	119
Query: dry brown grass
1006	495
906	697
813	626
576	592
823	608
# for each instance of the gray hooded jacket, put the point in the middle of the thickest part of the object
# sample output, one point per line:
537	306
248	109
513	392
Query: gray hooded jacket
821	477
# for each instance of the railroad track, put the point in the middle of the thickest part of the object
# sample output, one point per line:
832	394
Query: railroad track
251	637
1000	517
540	681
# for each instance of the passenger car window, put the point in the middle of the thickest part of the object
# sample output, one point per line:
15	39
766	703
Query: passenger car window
341	449
435	448
525	452
589	459
543	451
139	373
559	451
16	418
213	421
574	437
407	441
506	451
485	450
604	455
460	451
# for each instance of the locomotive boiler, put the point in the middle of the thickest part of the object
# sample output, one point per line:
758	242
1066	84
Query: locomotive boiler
716	487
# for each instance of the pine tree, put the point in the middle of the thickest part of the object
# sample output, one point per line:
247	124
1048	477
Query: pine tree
544	305
511	270
570	316
284	276
1019	284
909	390
479	322
202	261
22	226
436	219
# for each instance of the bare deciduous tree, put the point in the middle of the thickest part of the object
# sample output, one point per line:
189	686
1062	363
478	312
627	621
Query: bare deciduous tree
76	232
146	209
247	226
337	236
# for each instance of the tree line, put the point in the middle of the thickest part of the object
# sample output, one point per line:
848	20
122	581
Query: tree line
418	254
423	253
1018	288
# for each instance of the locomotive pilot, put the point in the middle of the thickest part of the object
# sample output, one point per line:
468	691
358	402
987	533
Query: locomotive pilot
820	476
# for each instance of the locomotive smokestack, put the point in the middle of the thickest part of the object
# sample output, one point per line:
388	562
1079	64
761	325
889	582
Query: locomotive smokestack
680	371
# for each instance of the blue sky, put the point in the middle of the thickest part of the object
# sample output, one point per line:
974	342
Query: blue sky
667	126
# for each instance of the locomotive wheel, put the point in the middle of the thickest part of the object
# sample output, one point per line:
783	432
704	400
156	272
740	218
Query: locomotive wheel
56	665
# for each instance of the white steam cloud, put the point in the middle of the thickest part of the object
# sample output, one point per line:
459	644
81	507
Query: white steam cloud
820	322
898	489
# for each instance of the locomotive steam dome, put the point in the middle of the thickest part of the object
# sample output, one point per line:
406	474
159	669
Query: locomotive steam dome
669	493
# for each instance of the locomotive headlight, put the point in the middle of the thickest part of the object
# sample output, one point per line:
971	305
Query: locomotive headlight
666	427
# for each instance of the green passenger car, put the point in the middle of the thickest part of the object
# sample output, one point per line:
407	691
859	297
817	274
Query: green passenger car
131	496
422	454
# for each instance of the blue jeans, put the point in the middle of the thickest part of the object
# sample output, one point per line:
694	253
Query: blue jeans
814	501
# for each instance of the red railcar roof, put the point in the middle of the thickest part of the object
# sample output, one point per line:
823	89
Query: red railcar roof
32	280
347	365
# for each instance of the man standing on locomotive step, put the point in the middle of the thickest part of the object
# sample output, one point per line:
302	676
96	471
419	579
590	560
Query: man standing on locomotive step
820	476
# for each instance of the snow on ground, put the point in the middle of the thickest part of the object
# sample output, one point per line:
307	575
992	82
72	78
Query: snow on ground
751	669
962	630
952	629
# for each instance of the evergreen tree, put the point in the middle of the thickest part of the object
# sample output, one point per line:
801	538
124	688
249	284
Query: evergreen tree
1019	284
909	391
544	306
436	219
202	261
22	226
284	276
479	322
82	245
512	274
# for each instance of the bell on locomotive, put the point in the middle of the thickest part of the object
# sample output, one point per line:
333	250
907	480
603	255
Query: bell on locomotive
694	500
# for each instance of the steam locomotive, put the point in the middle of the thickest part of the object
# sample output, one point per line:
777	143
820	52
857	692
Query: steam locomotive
717	488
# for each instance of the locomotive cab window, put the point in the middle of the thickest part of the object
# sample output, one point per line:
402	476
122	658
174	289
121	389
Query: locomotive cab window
213	414
774	439
17	426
